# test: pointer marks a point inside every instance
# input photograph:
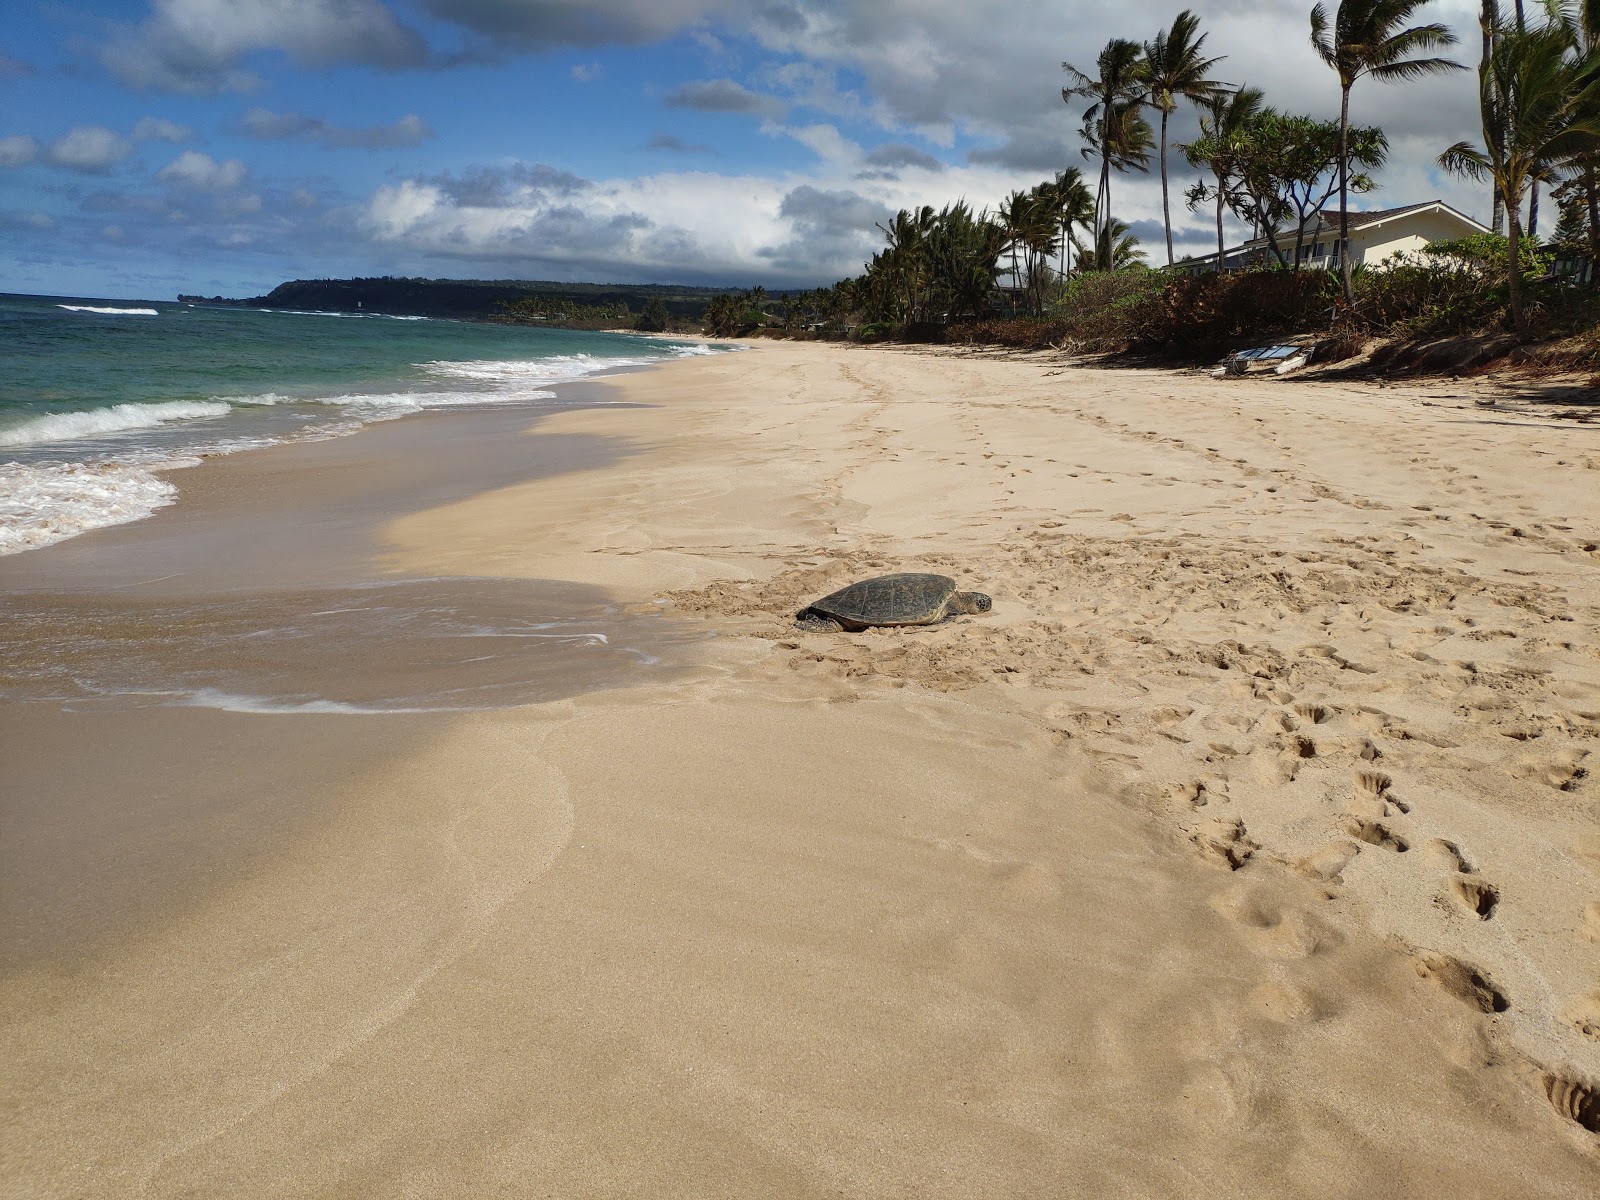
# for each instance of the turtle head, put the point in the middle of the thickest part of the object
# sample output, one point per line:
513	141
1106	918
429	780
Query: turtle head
970	602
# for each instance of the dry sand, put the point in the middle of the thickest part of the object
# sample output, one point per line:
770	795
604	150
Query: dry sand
1249	847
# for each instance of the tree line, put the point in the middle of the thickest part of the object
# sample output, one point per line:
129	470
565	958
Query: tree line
1277	171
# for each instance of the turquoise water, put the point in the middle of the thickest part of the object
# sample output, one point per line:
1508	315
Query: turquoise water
100	399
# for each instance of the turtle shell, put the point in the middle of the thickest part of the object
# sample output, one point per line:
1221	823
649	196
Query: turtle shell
909	598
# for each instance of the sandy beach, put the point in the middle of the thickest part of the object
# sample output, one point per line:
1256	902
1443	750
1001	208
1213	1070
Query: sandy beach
1249	846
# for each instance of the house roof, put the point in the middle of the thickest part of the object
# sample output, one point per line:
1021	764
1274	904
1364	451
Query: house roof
1377	216
1328	223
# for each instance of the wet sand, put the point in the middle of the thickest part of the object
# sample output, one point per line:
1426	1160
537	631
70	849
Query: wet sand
1249	846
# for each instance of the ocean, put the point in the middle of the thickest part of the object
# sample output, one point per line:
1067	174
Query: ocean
101	399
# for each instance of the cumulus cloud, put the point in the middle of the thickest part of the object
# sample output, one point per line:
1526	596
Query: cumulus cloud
18	151
890	159
504	186
722	96
1038	150
827	226
674	226
197	46
89	150
155	129
409	130
546	24
794	231
201	172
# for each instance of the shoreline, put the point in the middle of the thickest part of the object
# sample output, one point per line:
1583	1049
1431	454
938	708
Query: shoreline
81	452
1173	866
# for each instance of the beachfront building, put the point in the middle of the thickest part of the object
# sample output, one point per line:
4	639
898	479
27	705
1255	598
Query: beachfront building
1374	237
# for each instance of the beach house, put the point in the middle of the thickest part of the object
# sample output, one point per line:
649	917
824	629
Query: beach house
1374	237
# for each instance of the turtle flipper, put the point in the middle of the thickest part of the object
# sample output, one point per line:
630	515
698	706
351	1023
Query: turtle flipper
813	621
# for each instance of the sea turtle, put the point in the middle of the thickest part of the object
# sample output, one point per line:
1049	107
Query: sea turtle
909	598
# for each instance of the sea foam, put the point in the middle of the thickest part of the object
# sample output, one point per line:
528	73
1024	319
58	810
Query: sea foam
110	312
61	427
42	503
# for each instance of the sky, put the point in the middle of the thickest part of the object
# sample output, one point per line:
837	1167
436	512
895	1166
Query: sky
151	147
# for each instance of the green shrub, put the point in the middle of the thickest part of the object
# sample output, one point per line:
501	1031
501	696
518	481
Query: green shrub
1447	288
1156	310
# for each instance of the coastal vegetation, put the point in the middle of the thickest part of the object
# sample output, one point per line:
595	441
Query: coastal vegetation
1053	265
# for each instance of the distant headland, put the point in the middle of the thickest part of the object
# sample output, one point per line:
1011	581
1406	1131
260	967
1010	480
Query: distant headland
571	305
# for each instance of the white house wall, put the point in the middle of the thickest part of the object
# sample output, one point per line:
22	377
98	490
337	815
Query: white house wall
1408	233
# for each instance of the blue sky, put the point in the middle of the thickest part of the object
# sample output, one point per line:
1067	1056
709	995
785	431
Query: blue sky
149	147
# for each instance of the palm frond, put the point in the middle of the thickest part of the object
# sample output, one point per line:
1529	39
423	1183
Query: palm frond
1412	68
1466	159
1320	41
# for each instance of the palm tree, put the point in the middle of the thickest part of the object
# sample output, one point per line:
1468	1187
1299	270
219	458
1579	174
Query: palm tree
1369	37
1175	71
1121	138
1074	206
1019	213
1538	101
1112	126
904	268
1223	121
1117	248
1582	20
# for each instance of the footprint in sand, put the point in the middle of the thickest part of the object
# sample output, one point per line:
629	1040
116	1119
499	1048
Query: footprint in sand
1224	842
1477	896
1465	982
1563	770
1317	714
1574	1099
1446	855
1374	833
1290	1004
1327	863
1275	930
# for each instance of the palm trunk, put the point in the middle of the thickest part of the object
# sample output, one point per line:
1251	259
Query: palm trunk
1344	196
1514	252
1592	196
1488	22
1533	210
1220	266
1105	212
1166	207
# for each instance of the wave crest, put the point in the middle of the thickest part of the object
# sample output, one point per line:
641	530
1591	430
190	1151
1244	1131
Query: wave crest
110	312
68	426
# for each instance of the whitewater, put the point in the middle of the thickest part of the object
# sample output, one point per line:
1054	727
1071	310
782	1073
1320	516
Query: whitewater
102	401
